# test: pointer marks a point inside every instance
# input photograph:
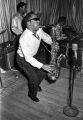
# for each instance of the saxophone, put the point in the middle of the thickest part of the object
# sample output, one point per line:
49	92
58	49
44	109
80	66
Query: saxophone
54	49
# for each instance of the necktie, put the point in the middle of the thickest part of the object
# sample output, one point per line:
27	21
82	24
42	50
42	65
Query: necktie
37	36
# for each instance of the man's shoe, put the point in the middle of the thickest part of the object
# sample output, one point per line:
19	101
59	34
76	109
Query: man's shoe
39	89
34	98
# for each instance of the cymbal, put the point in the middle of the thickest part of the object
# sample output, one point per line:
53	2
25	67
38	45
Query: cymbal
2	30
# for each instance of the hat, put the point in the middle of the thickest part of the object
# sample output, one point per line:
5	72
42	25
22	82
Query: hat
31	15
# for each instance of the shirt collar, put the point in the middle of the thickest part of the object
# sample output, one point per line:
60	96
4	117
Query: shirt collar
30	32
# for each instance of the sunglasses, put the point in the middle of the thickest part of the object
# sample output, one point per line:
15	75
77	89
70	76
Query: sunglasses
36	19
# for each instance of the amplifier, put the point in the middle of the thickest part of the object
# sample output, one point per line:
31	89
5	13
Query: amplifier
7	60
7	52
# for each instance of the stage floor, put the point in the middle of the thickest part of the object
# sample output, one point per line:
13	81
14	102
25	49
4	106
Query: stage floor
16	105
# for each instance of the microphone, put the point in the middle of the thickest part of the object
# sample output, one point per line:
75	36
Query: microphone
75	48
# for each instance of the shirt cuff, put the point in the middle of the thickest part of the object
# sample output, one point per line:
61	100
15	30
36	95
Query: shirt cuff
40	65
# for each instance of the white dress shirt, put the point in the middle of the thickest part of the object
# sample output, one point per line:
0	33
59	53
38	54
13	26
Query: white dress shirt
29	44
16	24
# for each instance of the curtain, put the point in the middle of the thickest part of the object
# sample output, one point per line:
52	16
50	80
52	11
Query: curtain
50	11
7	9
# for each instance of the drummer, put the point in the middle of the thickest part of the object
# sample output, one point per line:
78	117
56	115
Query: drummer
59	33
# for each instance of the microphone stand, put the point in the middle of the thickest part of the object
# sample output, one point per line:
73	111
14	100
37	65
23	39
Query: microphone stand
71	110
0	80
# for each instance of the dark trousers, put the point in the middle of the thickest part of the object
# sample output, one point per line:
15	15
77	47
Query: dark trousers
33	74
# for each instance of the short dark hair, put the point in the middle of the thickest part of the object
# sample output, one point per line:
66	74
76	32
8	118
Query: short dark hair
62	19
20	5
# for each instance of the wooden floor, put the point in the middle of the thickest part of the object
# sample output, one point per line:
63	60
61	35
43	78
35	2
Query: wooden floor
16	105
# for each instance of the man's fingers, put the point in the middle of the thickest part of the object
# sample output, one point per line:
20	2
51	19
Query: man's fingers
51	67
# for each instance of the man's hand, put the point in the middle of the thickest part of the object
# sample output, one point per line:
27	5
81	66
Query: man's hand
48	68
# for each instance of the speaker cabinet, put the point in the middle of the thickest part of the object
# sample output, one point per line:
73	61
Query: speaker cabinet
7	60
7	53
